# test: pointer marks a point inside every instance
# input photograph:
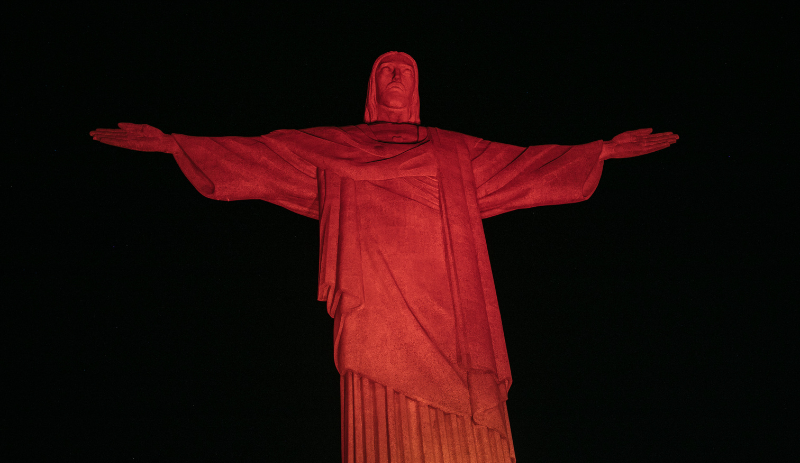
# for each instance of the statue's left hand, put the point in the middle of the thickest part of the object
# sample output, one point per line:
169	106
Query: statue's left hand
636	143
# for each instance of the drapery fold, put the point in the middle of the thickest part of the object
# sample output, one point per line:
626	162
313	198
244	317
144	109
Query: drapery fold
480	341
382	425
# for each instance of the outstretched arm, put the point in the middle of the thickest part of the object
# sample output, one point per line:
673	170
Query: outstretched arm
636	143
511	177
139	137
229	168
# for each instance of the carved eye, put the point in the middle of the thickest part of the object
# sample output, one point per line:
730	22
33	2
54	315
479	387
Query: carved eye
407	72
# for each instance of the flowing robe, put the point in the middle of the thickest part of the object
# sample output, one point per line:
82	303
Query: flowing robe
404	269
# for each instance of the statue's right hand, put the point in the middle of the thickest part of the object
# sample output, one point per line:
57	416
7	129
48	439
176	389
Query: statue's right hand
139	137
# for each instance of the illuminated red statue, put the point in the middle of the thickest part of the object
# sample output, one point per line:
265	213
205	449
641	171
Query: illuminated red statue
403	265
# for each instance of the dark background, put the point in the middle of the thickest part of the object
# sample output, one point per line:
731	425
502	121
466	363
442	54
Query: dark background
654	322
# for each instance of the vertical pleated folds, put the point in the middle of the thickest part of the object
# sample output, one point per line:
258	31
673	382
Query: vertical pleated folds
381	425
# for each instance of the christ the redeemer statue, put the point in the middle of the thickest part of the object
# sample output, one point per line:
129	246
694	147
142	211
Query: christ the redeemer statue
403	265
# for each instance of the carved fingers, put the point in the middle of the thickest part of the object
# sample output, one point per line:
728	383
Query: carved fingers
139	137
642	141
658	141
656	138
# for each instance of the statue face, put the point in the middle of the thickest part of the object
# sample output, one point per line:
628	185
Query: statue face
394	82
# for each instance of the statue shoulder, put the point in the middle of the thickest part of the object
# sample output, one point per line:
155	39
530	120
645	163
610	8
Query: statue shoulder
325	133
452	135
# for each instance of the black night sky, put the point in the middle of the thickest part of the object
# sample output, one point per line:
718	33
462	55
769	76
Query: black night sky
654	322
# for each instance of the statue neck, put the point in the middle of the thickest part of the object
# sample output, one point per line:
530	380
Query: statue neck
396	116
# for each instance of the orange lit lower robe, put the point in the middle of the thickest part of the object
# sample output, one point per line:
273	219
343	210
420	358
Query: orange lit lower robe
404	269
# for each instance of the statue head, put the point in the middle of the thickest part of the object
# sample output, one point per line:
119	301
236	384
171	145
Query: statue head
393	91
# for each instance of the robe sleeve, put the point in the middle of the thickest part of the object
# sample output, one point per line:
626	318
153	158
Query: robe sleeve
510	177
233	168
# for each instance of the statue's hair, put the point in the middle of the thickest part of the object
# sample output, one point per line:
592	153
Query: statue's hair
371	109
